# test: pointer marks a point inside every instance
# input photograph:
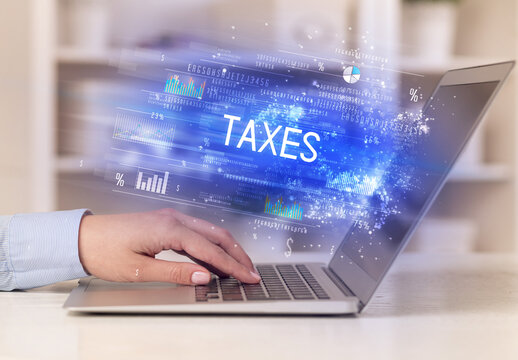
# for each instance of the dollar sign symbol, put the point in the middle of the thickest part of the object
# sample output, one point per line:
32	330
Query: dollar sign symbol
163	57
332	249
81	163
288	242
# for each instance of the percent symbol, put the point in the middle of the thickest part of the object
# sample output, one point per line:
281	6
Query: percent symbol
120	179
413	95
321	66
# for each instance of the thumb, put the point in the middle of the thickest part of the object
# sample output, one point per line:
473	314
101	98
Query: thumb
173	272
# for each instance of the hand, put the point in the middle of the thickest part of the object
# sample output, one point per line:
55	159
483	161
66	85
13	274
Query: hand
123	248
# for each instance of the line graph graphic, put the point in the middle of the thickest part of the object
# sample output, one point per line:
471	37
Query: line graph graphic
144	131
291	212
175	86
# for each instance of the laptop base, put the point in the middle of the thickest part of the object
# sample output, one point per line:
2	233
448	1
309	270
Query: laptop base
98	296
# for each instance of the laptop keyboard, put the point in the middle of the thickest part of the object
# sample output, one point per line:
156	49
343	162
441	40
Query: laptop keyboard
279	282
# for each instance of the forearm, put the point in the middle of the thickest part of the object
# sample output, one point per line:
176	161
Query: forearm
40	249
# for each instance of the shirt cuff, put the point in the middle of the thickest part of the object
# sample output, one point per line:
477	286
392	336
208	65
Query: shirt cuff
43	247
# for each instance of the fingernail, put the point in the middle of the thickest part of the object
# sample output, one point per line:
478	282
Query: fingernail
200	278
255	275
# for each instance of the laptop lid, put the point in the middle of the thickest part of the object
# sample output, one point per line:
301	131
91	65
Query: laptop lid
416	175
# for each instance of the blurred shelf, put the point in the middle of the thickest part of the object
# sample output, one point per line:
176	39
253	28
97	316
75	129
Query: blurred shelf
480	173
78	56
70	164
430	66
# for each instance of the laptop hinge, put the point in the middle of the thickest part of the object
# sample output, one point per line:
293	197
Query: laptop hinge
339	283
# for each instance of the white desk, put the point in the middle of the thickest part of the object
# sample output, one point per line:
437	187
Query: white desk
435	308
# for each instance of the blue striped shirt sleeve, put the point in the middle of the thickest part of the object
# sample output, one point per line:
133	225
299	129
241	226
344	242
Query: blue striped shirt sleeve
39	249
6	273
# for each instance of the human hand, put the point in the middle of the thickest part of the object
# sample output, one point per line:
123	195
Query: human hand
123	248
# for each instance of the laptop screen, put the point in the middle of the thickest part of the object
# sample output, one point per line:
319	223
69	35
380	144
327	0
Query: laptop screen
413	177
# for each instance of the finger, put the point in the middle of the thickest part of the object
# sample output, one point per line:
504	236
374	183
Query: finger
218	236
209	267
200	248
172	272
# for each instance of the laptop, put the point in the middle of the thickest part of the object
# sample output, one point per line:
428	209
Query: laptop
346	284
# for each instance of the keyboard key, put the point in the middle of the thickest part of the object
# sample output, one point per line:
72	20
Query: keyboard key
313	284
295	283
280	282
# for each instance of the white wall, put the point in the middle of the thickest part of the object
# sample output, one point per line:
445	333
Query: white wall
14	106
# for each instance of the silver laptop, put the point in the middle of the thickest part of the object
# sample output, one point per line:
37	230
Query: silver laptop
347	283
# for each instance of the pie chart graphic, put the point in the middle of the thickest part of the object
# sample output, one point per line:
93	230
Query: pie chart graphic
352	74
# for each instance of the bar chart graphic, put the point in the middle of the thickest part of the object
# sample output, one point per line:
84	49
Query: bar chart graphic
143	131
152	181
291	212
175	86
361	185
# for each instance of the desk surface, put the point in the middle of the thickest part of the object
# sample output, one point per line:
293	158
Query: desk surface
429	307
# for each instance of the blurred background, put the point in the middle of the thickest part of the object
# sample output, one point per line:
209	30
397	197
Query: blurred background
59	59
